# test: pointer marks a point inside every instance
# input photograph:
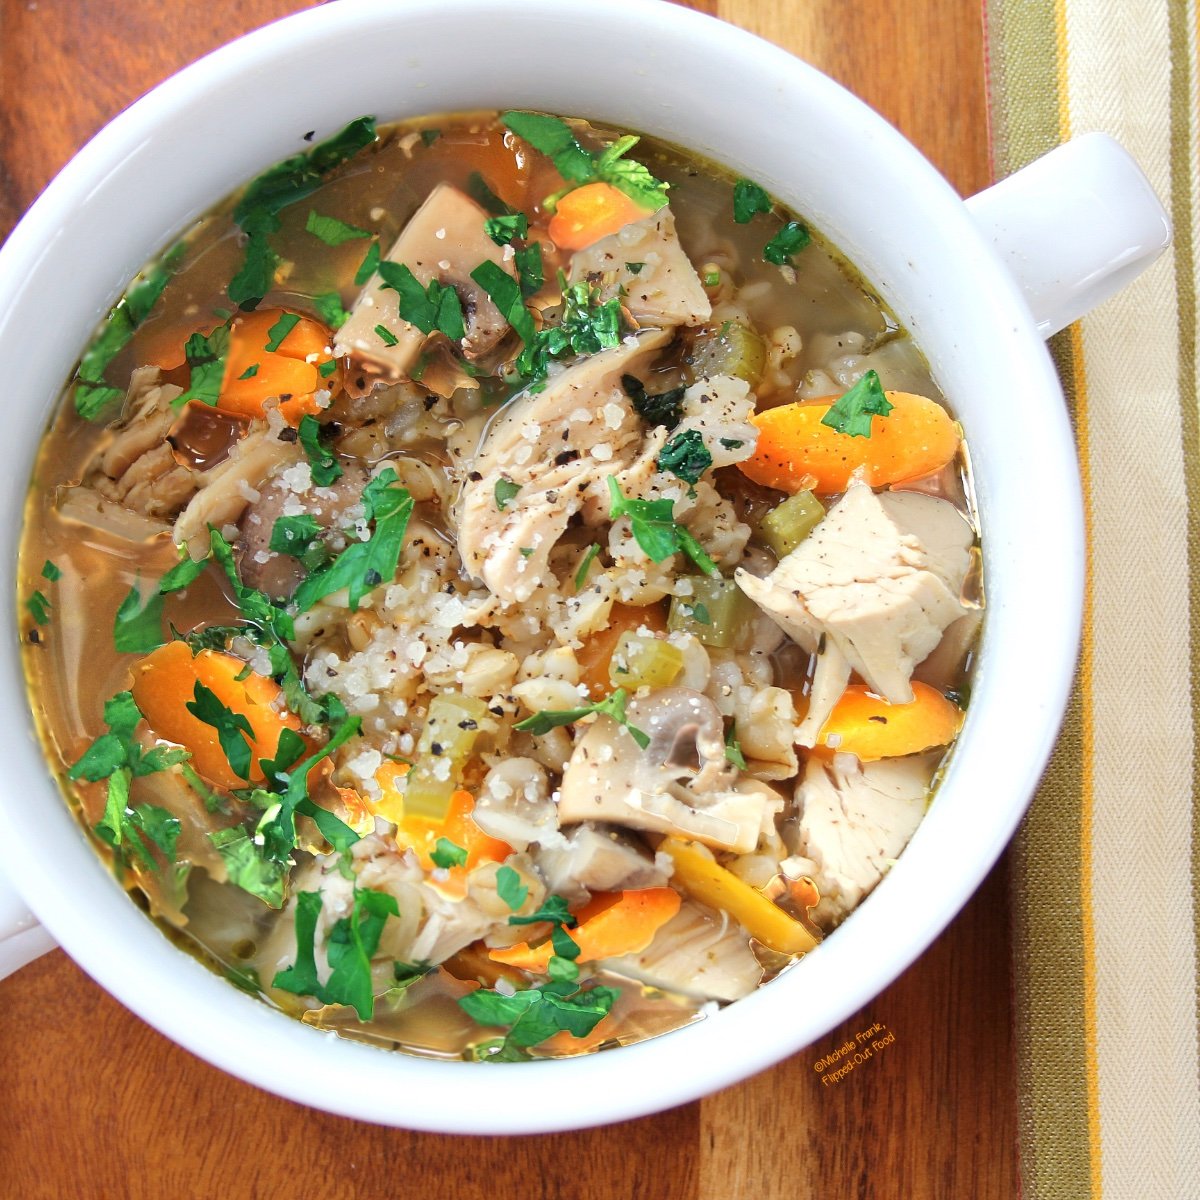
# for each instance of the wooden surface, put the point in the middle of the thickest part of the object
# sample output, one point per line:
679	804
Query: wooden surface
96	1104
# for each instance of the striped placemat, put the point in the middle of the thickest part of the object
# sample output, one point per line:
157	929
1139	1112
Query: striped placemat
1107	915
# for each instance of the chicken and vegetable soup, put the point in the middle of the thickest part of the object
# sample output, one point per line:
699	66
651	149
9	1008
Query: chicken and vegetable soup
497	596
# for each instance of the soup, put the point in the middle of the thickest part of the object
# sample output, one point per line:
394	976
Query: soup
496	597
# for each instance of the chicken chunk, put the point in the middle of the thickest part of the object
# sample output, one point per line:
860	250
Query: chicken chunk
853	819
443	240
869	590
556	448
646	266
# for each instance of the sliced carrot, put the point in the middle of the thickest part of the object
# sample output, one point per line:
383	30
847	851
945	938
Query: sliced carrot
254	374
422	835
588	213
596	652
704	879
610	925
164	683
865	724
796	451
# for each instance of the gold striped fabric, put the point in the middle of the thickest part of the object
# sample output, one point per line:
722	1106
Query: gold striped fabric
1107	909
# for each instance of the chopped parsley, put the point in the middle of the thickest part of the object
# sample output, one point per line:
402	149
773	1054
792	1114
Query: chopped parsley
553	137
328	367
584	564
256	607
329	309
748	199
509	887
699	613
92	394
184	573
790	240
132	831
321	461
664	409
119	750
286	183
655	529
436	307
234	731
247	866
386	336
206	359
51	572
685	456
528	261
733	749
363	566
505	491
505	292
294	536
352	943
478	190
368	266
634	268
278	332
712	278
39	608
851	414
429	136
502	229
611	706
332	231
446	854
249	372
137	628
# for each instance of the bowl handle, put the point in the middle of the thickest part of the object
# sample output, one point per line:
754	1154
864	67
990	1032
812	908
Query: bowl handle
22	939
1074	227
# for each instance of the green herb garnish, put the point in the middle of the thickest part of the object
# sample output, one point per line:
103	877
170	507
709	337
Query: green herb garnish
368	266
685	456
118	749
329	309
585	563
321	461
790	240
294	536
436	307
386	336
137	628
278	332
611	706
332	231
286	183
509	887
505	292
446	854
39	608
655	529
528	261
51	572
233	729
733	749
248	867
748	199
504	491
851	414
664	409
206	358
504	228
365	565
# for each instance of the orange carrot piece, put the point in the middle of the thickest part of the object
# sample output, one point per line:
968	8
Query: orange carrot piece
796	451
609	926
588	213
288	371
164	682
597	650
864	724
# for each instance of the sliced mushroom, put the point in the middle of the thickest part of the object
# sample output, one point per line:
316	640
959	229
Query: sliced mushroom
682	783
443	240
645	265
557	447
514	802
698	952
280	574
869	590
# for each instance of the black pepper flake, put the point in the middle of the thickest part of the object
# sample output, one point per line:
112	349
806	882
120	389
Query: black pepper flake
496	710
565	456
436	748
430	401
878	720
312	133
284	396
289	434
34	637
474	477
469	723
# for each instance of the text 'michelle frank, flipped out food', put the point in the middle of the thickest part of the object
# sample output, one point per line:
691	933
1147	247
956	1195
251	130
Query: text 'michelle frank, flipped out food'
497	598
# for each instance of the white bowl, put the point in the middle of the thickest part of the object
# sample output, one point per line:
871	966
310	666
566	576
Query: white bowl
651	67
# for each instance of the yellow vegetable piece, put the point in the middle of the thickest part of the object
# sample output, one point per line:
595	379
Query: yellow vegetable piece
795	451
704	879
865	724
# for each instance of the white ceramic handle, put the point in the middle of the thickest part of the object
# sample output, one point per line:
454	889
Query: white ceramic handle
1074	227
21	937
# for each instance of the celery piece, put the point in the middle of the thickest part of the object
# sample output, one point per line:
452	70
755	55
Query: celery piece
642	660
451	727
729	349
789	523
713	612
